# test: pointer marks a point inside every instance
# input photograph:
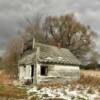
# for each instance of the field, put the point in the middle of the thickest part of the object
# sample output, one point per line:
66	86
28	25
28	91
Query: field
11	91
90	77
91	73
86	87
8	91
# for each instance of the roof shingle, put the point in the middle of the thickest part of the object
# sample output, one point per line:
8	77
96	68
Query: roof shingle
51	54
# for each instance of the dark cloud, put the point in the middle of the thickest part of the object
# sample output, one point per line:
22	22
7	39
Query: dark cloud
13	13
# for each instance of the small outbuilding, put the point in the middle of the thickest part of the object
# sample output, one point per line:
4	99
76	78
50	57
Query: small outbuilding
45	63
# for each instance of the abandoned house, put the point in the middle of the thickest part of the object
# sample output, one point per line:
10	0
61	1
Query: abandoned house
41	63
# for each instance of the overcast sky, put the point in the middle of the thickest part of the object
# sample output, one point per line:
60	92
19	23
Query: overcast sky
13	14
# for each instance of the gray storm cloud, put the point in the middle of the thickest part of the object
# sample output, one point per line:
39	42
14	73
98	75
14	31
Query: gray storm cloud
13	14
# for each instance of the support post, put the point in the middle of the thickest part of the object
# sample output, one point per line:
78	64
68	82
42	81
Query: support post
36	65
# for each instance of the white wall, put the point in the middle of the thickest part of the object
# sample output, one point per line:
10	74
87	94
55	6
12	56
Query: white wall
21	72
55	73
24	72
28	72
61	73
64	71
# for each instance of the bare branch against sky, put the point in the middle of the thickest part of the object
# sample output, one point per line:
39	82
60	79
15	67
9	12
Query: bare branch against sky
14	12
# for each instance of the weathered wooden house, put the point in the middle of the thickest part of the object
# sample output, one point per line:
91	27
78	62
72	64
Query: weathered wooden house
46	63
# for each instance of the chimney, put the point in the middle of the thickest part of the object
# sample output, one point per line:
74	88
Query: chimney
33	42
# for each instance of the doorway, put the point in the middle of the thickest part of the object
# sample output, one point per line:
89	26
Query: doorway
32	72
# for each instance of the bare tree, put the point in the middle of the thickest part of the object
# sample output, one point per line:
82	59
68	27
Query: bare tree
69	33
65	31
34	29
11	56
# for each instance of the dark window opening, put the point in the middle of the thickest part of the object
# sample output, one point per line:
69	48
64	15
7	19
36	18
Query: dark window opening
44	70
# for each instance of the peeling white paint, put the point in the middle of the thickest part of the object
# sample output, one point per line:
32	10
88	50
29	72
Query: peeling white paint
59	73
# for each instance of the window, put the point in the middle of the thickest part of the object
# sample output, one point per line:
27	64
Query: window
44	70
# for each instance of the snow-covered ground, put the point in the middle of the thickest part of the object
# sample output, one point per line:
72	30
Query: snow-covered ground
68	92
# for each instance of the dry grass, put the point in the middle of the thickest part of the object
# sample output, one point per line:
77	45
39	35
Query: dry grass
94	73
12	91
5	78
88	78
53	85
7	89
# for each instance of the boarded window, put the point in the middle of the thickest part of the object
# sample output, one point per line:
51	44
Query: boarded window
44	70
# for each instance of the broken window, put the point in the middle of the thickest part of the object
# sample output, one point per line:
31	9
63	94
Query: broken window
44	70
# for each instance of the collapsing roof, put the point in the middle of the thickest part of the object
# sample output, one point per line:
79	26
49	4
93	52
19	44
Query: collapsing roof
52	55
